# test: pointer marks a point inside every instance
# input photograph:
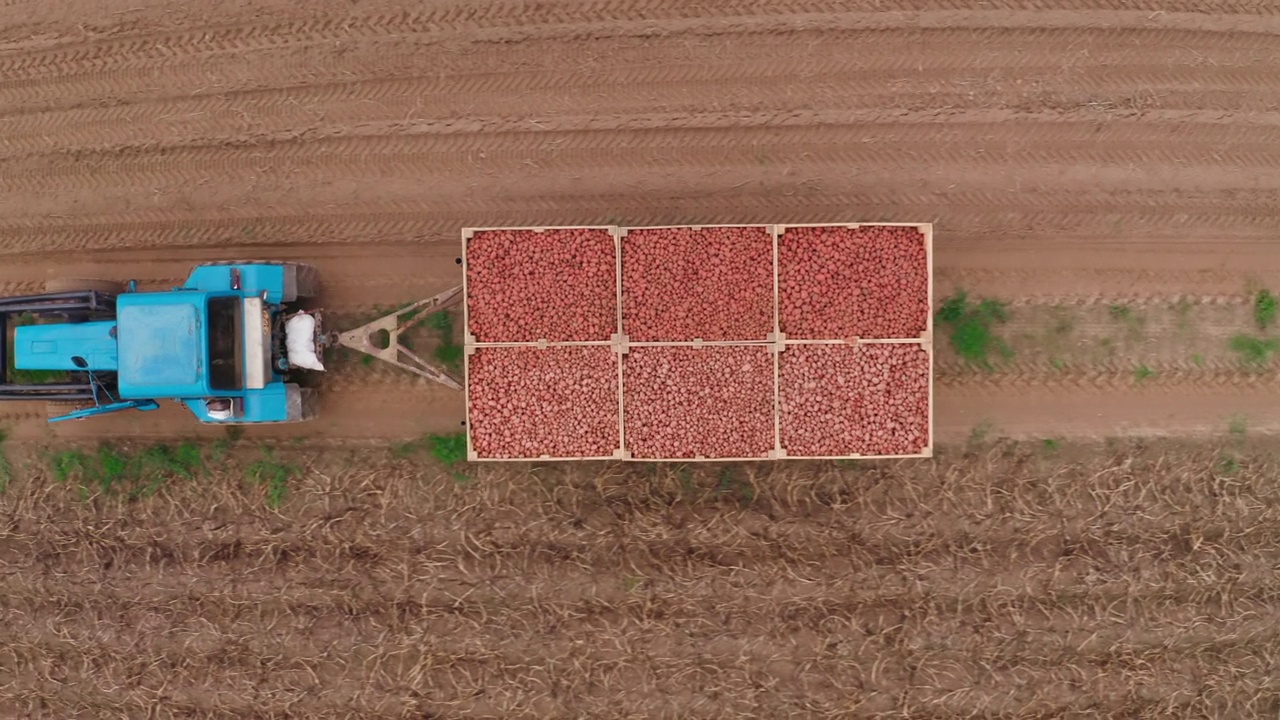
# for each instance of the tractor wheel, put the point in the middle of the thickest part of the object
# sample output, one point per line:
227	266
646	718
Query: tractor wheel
77	284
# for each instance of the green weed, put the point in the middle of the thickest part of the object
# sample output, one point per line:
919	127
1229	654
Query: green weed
231	436
1197	360
1228	465
448	450
1142	372
115	472
65	463
1182	309
1051	445
1254	350
1124	314
1057	364
1237	426
685	478
979	434
729	485
447	352
970	326
274	474
1265	308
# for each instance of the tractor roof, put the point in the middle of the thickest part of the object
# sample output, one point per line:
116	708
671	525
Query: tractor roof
162	344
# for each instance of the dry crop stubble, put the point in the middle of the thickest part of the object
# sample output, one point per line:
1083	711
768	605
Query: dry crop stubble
998	581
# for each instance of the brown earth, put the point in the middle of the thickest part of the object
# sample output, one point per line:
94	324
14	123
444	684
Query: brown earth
1000	581
1082	152
1109	168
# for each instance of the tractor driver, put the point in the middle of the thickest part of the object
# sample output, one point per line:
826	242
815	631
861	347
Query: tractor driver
218	408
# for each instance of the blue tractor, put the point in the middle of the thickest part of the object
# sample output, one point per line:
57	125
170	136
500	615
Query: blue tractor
229	344
217	344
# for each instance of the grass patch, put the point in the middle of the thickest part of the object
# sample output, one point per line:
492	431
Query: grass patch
274	474
729	485
1265	308
1182	310
1228	465
447	352
1238	426
221	446
1197	360
115	472
1142	372
448	450
1253	350
1051	445
971	328
1125	314
980	432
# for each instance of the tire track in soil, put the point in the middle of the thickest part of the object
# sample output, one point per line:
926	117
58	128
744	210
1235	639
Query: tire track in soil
632	142
792	200
140	96
316	230
1035	413
506	21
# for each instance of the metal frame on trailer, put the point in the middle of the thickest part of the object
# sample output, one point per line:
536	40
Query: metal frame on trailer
361	339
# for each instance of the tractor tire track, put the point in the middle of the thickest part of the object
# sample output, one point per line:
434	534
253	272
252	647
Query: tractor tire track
1188	64
509	21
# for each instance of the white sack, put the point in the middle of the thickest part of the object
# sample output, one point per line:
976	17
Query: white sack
300	342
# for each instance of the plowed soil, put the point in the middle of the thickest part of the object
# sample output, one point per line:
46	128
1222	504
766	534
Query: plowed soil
1077	153
1110	168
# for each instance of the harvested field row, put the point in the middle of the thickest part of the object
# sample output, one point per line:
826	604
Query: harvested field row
1130	579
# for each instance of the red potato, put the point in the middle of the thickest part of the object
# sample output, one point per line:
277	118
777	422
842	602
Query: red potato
840	400
835	283
713	283
557	285
527	402
682	402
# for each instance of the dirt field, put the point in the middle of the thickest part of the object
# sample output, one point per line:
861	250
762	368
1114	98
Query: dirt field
1078	153
1110	169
